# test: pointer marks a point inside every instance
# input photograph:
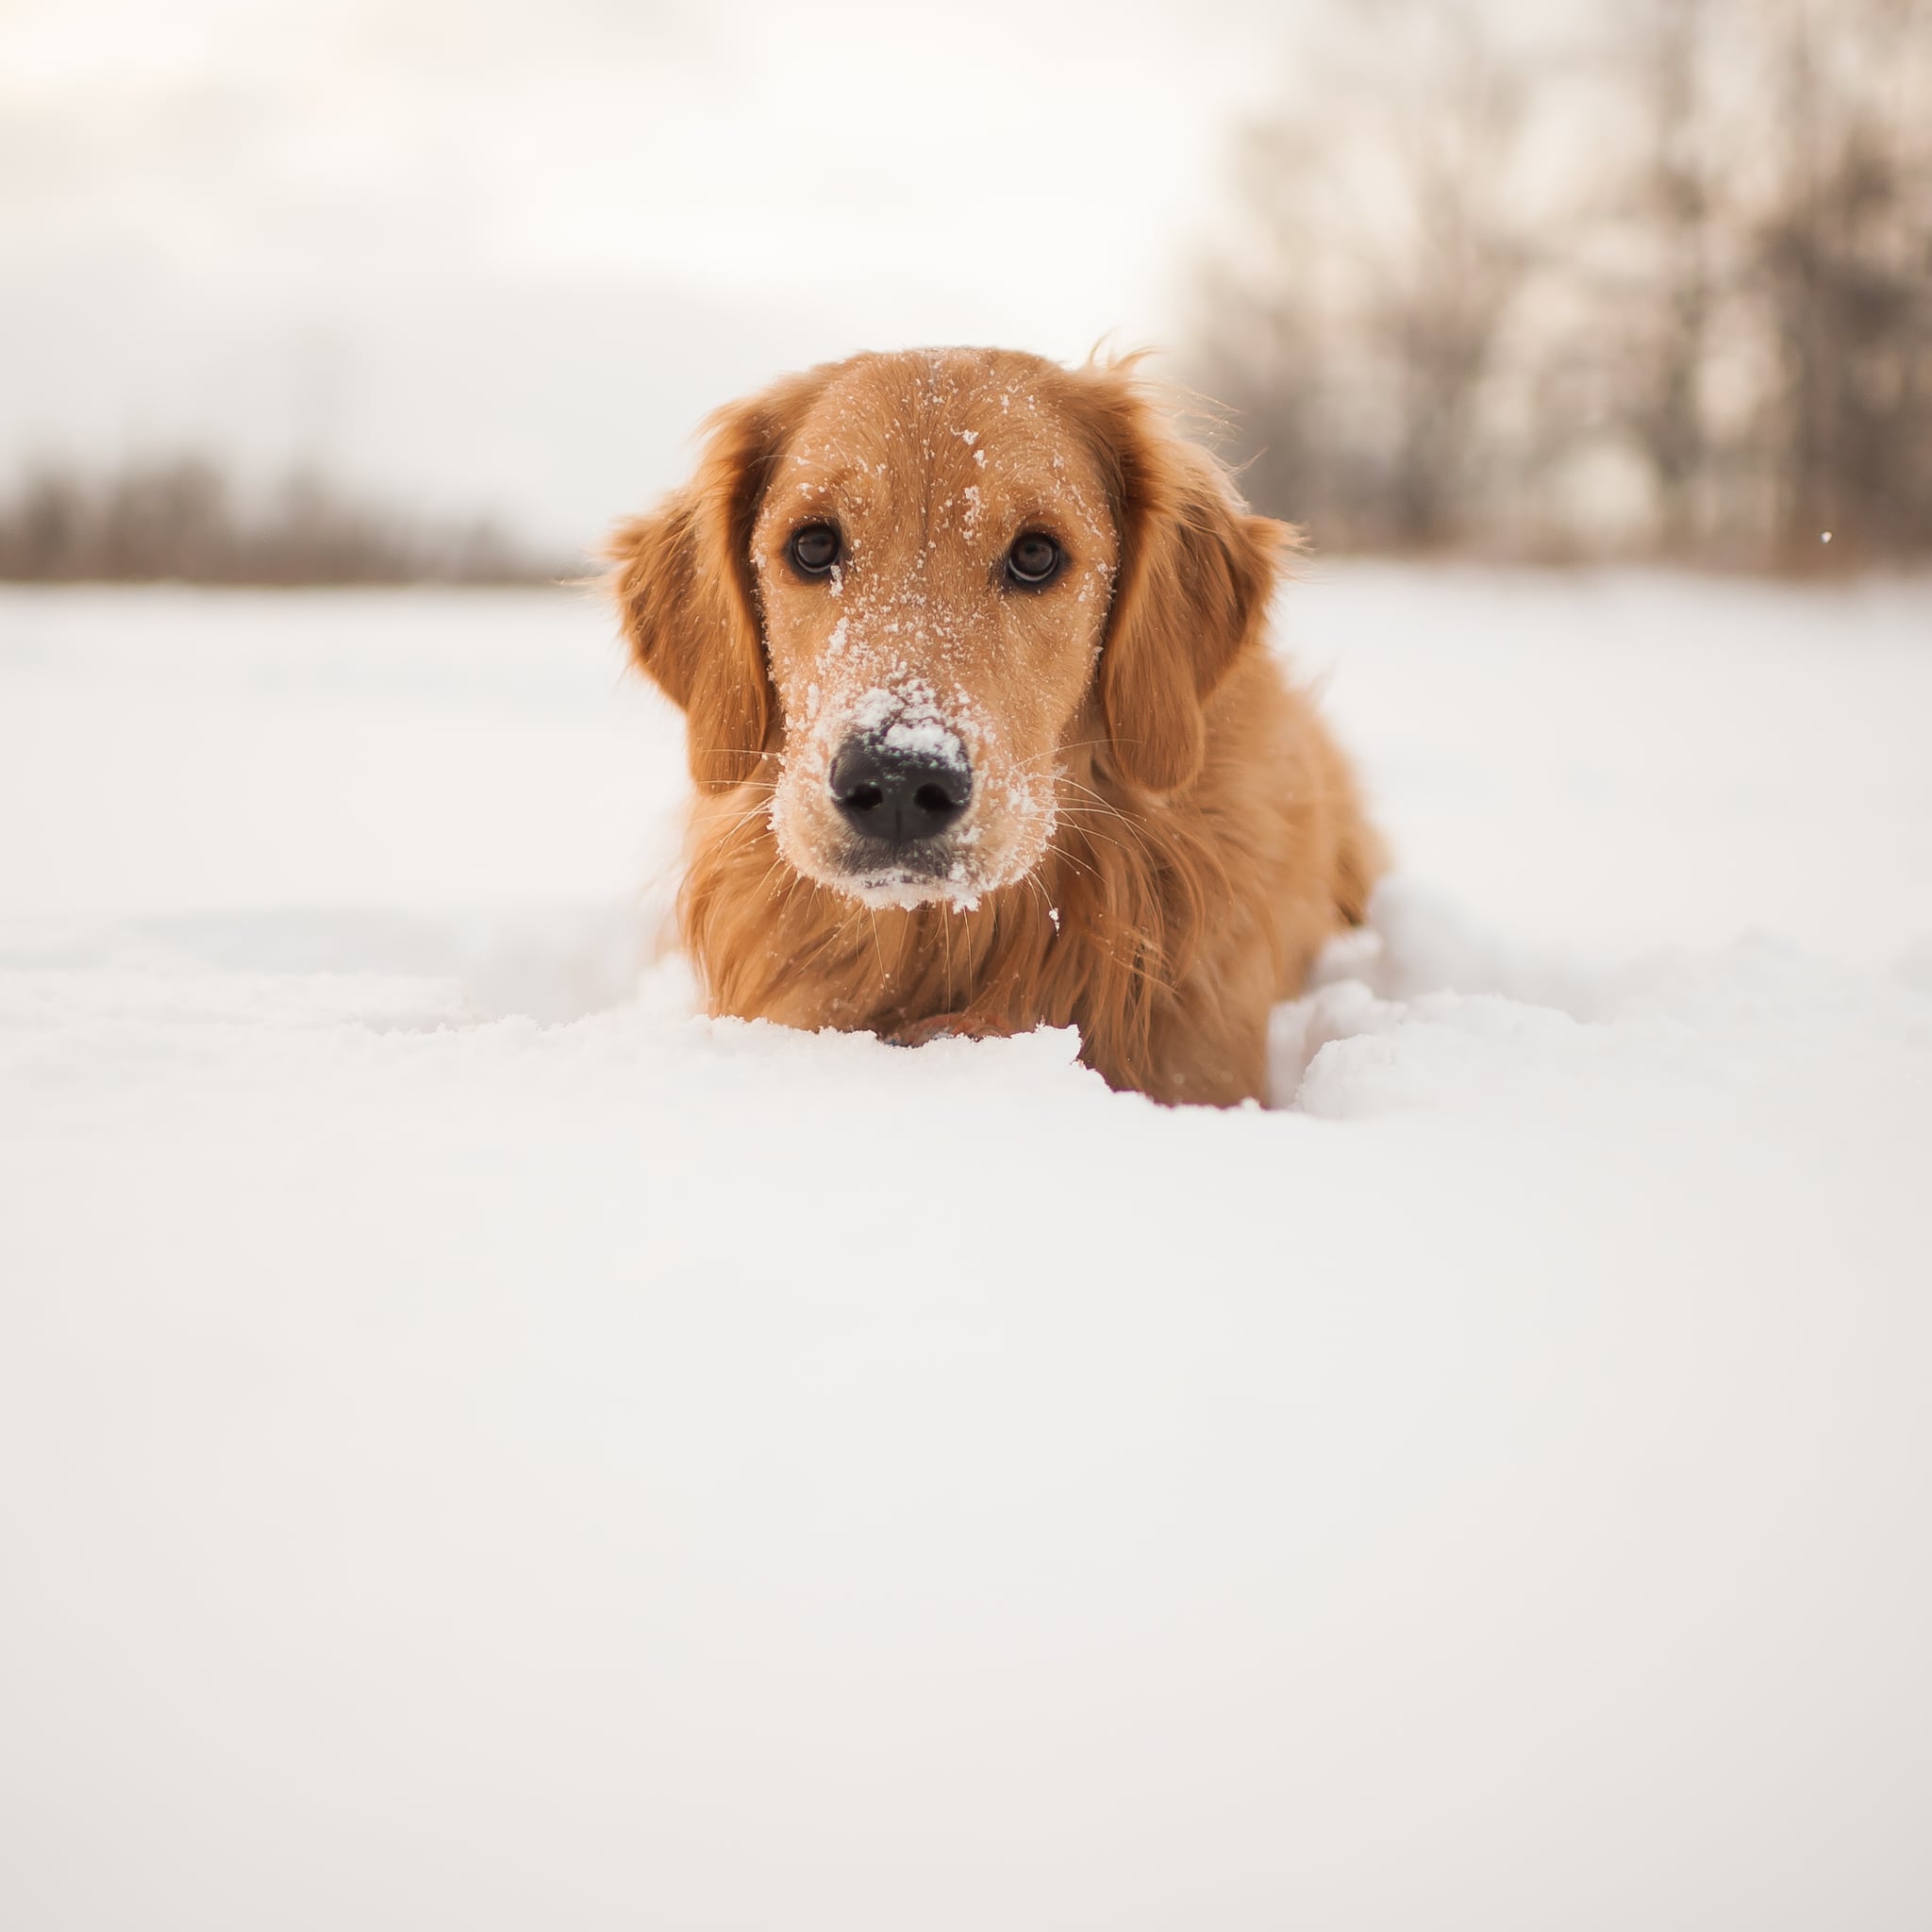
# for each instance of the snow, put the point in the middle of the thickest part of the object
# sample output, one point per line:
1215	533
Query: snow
909	719
481	1447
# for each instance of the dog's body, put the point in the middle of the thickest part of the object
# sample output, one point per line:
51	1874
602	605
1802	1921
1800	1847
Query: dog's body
984	725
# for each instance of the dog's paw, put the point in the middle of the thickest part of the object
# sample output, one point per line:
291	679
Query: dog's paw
948	1026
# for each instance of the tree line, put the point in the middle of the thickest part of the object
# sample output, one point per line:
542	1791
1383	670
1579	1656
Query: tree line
183	519
1667	291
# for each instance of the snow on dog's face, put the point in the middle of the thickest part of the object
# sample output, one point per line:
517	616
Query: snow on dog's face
934	556
899	587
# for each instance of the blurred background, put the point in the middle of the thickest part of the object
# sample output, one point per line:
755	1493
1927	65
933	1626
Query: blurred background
400	291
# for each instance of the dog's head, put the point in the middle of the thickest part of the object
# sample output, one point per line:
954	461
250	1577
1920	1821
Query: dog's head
899	589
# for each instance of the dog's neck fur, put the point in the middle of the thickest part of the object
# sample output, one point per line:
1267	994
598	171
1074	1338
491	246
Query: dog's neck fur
1100	934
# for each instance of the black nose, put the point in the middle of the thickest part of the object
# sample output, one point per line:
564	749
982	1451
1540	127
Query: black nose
897	796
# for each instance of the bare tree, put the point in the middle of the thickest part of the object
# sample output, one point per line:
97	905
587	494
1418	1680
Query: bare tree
1268	339
1355	322
1844	259
1436	307
1662	398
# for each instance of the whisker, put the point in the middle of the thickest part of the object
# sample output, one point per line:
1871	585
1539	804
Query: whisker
1101	799
1106	811
1079	744
744	818
1073	859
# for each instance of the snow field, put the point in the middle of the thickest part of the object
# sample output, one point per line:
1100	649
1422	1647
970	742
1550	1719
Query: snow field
479	1446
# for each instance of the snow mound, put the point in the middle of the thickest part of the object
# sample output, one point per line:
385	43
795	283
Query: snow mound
1420	1012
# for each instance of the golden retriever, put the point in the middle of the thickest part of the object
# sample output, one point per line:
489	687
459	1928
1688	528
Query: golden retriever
983	721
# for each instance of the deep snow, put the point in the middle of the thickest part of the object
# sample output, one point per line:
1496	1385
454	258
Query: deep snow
479	1447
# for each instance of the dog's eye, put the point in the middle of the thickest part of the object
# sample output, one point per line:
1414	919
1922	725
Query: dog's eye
1033	560
815	548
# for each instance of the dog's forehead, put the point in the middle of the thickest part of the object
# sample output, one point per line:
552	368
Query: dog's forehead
950	420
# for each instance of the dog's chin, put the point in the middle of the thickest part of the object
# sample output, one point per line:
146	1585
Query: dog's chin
906	890
940	878
947	875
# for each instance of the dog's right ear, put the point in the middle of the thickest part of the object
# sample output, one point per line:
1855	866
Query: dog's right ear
1197	570
682	582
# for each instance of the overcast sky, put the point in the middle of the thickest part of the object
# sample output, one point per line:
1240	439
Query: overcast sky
503	257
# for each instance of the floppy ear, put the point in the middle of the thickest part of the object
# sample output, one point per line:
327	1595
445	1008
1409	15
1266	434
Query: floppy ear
683	585
1196	574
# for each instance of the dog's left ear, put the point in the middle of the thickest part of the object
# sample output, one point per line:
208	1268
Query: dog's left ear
682	581
1196	573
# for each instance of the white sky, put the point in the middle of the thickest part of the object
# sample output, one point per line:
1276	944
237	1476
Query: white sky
504	257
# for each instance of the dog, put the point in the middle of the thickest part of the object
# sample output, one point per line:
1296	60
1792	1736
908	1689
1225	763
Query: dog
984	728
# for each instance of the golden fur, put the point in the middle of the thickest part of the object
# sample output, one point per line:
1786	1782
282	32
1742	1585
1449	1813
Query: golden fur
1162	835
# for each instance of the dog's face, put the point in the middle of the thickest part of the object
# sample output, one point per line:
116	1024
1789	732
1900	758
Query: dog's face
935	557
901	588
